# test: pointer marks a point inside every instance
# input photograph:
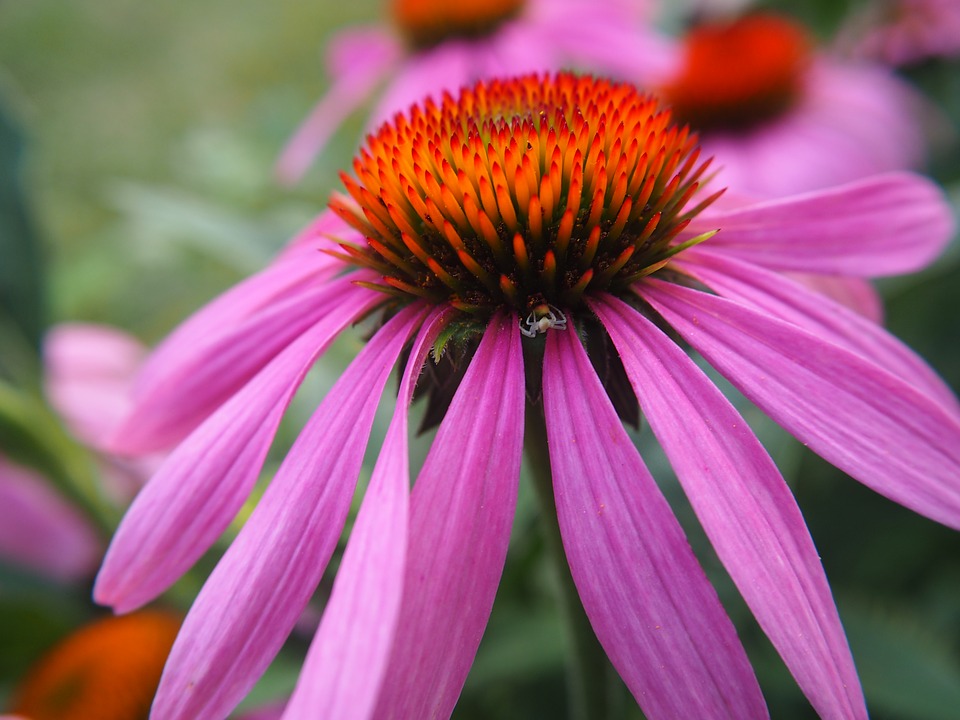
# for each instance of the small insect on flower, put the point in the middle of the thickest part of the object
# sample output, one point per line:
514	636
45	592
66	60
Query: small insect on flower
471	221
542	318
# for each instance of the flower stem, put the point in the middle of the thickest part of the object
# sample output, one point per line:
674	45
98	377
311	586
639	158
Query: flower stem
593	683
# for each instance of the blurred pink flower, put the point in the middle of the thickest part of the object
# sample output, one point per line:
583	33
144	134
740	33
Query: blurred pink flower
476	39
780	118
40	530
89	372
559	226
902	32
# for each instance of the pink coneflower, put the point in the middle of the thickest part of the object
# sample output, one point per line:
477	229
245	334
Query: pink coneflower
89	372
534	240
436	45
42	531
780	118
902	32
106	670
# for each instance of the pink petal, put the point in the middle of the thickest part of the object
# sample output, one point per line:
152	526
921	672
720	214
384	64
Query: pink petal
851	122
347	659
300	263
460	517
858	294
359	60
88	377
40	530
864	420
604	38
171	406
782	298
254	596
649	602
205	481
746	508
885	225
445	67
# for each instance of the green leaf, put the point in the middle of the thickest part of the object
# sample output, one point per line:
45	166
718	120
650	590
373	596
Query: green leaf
36	615
21	281
907	671
32	436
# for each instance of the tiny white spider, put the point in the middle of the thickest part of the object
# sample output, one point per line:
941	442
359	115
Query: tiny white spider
542	318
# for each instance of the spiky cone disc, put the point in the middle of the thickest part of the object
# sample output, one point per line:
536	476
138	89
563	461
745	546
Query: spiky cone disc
523	193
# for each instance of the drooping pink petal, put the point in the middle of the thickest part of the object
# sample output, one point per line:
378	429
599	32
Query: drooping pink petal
746	508
205	481
173	405
782	298
649	602
348	655
254	596
300	264
886	225
864	420
461	511
858	294
40	530
359	60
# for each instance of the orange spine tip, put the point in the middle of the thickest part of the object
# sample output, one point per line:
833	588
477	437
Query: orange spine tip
596	208
489	234
535	221
619	190
452	236
564	231
606	275
578	289
409	288
550	271
546	197
471	212
489	201
416	248
521	191
400	220
648	229
393	258
444	277
474	268
621	219
509	290
590	247
507	211
433	216
520	253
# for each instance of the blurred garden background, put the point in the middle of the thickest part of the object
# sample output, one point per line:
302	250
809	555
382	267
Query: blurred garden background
137	146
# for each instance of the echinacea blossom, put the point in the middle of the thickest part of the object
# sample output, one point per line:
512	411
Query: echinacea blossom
89	372
433	46
40	530
903	32
105	670
780	117
532	241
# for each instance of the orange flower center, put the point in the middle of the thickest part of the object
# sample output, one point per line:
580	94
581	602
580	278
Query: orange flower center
738	74
522	193
430	22
108	670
